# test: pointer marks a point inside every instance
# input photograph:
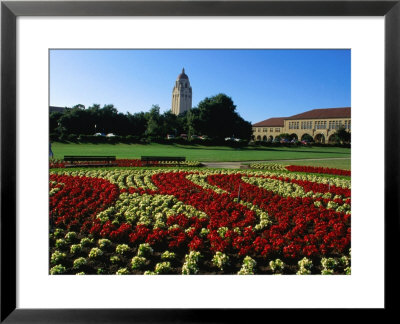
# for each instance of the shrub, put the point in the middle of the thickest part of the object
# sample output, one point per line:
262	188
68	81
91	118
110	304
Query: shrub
144	249
204	232
86	241
95	253
144	141
92	139
163	267
191	263
58	269
71	237
122	248
63	137
168	255
220	260
305	266
327	272
72	138
277	266
222	231
344	260
75	248
57	257
247	266
83	138
114	139
60	243
130	139
79	263
137	262
54	137
122	271
328	263
114	259
58	232
104	243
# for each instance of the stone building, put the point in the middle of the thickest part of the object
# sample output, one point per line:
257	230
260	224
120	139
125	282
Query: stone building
320	124
268	129
181	94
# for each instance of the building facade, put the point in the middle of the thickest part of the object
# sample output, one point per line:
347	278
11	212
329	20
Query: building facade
181	94
320	124
268	129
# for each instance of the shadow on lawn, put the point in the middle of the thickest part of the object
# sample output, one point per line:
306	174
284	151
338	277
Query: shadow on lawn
227	149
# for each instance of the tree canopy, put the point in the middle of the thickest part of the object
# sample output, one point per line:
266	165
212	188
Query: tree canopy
215	117
342	135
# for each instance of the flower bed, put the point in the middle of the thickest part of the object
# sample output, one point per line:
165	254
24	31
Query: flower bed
126	163
165	221
299	168
311	169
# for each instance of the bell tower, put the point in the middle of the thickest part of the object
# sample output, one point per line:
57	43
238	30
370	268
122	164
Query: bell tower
181	94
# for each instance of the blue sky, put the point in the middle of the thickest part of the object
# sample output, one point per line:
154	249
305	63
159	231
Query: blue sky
262	83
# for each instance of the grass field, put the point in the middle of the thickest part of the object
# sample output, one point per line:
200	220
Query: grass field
203	153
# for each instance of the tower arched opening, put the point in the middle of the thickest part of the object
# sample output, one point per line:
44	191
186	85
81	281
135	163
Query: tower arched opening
307	137
332	139
319	138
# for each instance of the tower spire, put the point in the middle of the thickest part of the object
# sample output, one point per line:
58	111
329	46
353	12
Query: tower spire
181	94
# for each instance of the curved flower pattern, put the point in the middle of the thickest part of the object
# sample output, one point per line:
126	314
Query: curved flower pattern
180	221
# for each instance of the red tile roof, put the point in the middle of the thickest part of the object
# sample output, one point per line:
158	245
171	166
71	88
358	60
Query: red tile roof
344	112
272	122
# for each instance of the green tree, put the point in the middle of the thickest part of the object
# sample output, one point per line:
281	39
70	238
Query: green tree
217	118
107	119
285	136
307	137
78	120
154	122
137	124
74	121
192	122
79	106
54	120
171	123
342	135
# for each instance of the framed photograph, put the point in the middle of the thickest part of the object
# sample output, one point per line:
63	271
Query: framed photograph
52	50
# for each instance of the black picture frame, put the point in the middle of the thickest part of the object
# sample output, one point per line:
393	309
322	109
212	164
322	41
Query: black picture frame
10	10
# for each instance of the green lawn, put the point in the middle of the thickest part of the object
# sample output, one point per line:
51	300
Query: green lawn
201	153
